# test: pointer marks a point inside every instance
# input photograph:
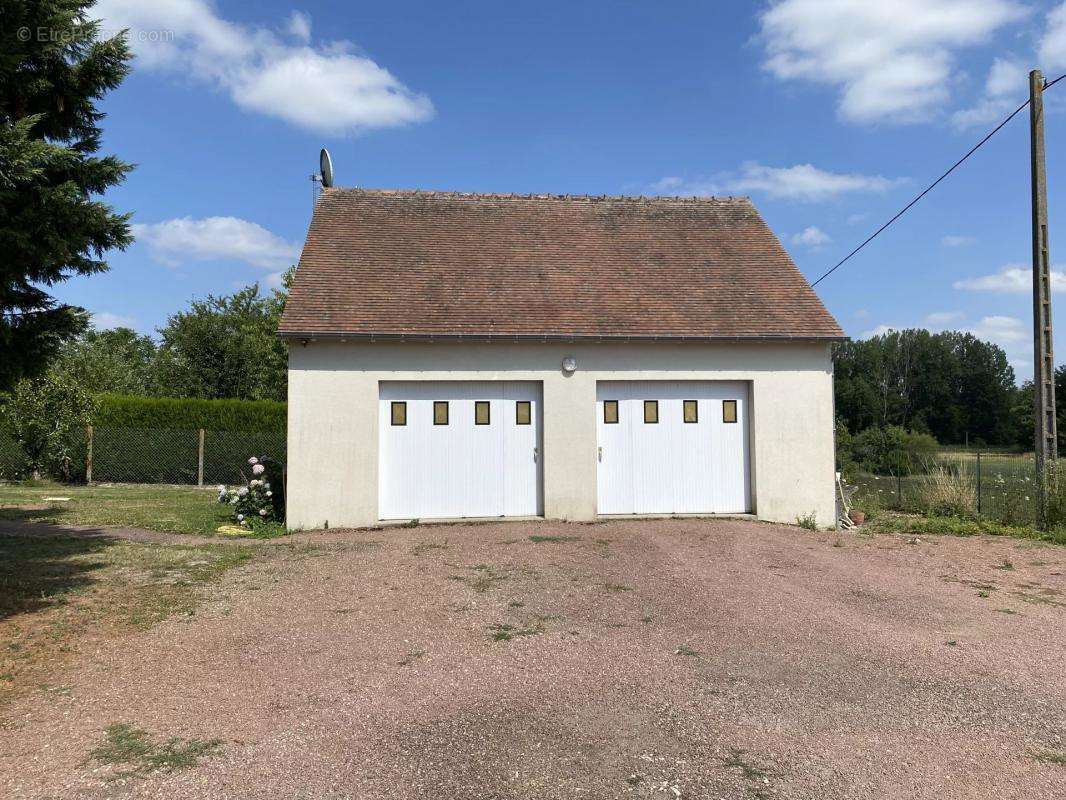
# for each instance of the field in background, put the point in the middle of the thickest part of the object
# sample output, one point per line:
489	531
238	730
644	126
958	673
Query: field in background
1003	485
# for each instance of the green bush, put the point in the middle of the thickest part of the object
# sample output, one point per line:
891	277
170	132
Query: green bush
892	451
129	411
46	418
844	448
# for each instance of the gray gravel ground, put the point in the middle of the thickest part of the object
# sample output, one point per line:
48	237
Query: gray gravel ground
674	658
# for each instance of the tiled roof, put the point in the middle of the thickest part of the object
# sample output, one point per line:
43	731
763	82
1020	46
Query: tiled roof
428	264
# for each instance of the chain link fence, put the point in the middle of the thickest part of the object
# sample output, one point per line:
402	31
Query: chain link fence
10	455
159	455
993	485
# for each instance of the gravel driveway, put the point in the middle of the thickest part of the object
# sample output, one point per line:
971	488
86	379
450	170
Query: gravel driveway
661	659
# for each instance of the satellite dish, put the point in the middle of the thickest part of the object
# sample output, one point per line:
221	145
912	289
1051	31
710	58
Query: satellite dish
325	168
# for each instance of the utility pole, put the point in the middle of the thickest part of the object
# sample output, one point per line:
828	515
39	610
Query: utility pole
1043	361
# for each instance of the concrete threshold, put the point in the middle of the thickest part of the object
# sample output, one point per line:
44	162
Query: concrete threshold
399	523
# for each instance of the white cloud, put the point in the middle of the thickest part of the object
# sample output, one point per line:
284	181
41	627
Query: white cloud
880	330
812	237
273	280
1004	331
1012	279
176	240
802	182
329	88
1006	86
855	219
957	241
941	319
890	61
1052	47
1007	332
299	25
105	320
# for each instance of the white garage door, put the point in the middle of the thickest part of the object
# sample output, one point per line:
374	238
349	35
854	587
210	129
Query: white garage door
673	447
459	449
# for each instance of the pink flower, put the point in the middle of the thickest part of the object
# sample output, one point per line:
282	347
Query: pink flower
258	469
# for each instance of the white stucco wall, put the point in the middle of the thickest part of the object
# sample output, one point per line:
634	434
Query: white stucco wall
333	417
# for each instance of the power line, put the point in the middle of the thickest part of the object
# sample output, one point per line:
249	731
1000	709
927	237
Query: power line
933	185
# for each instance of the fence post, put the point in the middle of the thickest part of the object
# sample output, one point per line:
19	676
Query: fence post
88	453
978	483
200	460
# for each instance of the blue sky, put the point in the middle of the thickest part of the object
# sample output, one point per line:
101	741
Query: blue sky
830	114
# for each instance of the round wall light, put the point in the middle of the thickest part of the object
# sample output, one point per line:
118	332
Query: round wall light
569	364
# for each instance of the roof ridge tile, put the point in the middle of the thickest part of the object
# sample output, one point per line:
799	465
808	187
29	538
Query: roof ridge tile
449	194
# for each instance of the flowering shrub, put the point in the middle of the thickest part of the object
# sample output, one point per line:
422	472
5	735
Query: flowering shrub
253	503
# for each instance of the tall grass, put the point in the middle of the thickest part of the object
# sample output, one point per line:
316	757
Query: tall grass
947	493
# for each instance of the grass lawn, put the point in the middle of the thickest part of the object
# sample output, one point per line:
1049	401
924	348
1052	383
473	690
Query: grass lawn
172	509
57	592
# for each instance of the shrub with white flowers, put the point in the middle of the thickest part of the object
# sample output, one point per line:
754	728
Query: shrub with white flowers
253	503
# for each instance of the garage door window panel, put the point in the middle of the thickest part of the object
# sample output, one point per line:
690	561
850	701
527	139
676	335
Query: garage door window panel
610	412
523	412
399	413
481	412
691	412
729	411
440	412
651	412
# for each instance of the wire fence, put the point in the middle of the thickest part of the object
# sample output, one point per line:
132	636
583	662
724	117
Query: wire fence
993	485
158	455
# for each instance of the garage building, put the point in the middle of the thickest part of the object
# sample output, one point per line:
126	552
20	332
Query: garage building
479	356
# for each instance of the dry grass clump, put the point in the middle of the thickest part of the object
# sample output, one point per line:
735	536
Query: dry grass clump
946	493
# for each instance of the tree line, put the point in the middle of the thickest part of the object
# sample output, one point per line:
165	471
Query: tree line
950	385
219	348
223	347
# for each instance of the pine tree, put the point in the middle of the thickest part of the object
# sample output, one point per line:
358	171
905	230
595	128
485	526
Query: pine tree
53	70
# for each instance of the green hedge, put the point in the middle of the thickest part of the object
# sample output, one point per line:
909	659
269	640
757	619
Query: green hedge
127	411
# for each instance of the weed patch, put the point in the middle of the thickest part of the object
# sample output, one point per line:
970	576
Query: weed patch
1045	597
738	759
616	588
808	521
911	524
486	578
411	658
135	748
503	632
685	650
425	547
1050	757
552	539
